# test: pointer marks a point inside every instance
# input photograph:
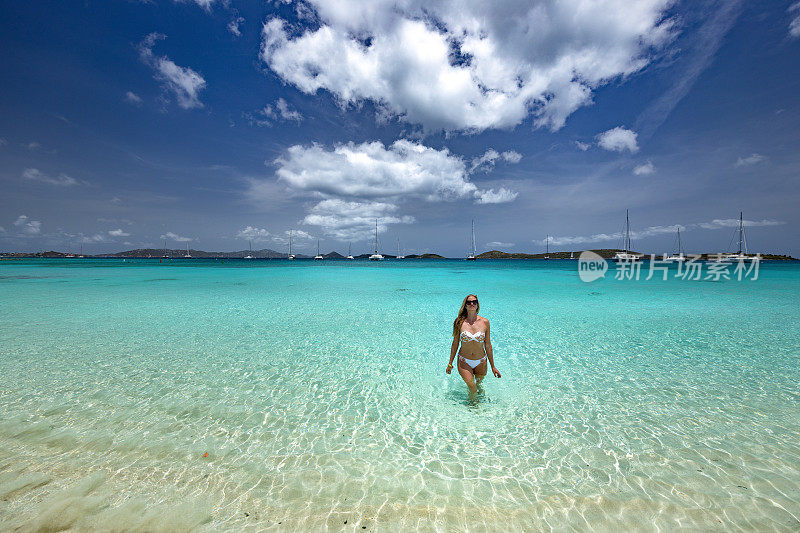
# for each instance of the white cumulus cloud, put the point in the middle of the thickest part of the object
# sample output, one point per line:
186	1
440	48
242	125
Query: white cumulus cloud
234	26
582	146
254	234
494	245
490	196
184	82
118	233
618	140
353	220
175	237
490	157
205	4
372	170
92	239
659	230
469	66
794	25
132	98
603	237
750	160
28	226
718	223
644	169
271	113
359	182
296	234
34	174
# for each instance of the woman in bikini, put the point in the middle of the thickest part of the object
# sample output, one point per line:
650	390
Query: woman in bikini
472	331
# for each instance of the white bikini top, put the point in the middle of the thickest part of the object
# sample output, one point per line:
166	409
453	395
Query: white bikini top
466	336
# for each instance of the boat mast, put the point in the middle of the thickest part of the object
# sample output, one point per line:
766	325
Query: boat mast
627	243
547	245
376	236
473	237
398	247
741	230
317	246
679	242
349	249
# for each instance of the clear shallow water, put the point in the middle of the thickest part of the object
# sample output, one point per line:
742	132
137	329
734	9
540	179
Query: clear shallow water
318	392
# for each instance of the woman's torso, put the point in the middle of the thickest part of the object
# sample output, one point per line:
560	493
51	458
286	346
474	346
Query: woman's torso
472	338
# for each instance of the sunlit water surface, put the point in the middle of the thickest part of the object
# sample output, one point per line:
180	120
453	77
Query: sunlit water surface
318	392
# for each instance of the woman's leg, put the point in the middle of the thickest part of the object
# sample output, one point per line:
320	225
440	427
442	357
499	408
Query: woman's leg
466	374
480	371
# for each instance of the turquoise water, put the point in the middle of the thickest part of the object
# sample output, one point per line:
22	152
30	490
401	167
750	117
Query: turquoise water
318	391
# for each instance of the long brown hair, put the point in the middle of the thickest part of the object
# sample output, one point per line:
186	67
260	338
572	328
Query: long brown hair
462	315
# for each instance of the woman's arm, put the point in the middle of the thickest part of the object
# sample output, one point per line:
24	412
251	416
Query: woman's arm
453	348
488	343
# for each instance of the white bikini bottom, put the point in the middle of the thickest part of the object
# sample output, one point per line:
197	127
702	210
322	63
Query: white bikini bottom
472	362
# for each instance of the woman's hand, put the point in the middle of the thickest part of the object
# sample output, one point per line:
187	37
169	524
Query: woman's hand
495	372
449	368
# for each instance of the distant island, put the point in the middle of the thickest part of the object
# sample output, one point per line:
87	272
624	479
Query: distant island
605	253
154	253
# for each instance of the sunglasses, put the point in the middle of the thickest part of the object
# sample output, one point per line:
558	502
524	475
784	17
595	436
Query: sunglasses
472	302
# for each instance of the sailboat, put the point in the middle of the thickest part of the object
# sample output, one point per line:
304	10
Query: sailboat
188	255
471	257
376	256
250	255
738	256
318	257
679	256
547	247
398	250
350	250
571	255
165	249
291	255
626	256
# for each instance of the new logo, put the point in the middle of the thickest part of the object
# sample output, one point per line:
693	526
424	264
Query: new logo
591	266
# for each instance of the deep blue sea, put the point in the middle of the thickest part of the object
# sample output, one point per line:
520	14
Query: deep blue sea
266	394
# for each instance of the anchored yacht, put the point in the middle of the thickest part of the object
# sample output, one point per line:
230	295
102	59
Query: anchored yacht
739	255
676	256
626	255
376	256
471	257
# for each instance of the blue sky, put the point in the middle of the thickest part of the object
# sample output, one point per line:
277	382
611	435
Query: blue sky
124	124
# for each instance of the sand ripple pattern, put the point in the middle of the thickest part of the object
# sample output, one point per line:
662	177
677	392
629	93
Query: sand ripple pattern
318	394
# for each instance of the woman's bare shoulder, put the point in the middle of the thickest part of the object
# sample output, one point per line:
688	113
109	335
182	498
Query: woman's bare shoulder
485	321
